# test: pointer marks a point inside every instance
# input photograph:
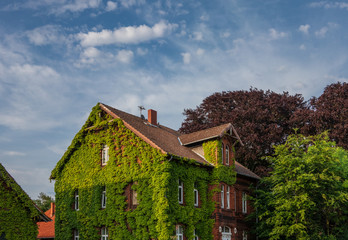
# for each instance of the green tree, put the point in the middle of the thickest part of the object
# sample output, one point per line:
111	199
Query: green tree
306	195
43	201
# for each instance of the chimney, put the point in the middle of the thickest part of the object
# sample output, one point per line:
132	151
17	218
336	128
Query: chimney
152	116
52	210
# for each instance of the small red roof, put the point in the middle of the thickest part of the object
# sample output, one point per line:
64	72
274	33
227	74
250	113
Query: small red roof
46	229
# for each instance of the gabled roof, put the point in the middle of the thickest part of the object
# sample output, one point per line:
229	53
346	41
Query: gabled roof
206	134
167	140
158	136
12	185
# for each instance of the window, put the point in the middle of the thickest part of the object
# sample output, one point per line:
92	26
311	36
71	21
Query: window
105	155
235	200
228	197
104	233
226	233
179	232
103	198
227	155
222	153
245	235
135	195
196	198
244	203
195	235
181	192
76	234
222	196
76	196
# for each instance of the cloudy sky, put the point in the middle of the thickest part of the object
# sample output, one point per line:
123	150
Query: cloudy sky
59	58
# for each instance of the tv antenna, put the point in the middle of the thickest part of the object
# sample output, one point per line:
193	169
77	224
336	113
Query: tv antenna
141	108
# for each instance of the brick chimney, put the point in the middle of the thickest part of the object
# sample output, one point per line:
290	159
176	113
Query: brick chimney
52	210
152	116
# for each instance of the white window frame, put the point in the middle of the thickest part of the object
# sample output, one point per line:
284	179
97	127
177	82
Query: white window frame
196	196
228	197
105	155
226	232
76	234
179	232
245	235
195	237
104	233
103	197
135	201
244	202
180	192
222	196
76	196
227	155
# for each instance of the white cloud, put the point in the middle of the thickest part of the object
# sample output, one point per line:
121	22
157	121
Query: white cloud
328	5
304	28
226	34
198	36
78	6
44	35
322	32
142	52
91	52
186	57
125	56
110	6
126	35
200	51
274	34
204	17
303	47
14	154
130	3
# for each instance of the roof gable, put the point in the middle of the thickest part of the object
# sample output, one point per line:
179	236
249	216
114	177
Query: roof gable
210	133
26	201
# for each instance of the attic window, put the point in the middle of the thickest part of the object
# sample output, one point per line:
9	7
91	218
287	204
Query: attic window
105	155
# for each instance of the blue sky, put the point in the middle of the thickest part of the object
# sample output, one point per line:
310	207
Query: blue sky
59	58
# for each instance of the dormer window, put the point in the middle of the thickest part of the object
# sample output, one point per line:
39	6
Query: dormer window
227	155
105	155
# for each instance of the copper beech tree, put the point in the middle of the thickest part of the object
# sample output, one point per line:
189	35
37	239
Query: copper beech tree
264	119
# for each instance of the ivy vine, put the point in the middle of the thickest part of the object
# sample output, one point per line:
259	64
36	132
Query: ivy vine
130	160
18	214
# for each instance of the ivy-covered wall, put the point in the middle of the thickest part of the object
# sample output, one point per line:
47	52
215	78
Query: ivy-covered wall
130	160
17	211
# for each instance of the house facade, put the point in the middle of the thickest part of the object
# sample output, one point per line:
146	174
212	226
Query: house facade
18	213
125	177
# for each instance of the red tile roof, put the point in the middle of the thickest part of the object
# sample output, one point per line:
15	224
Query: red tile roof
46	229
